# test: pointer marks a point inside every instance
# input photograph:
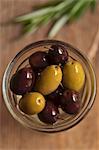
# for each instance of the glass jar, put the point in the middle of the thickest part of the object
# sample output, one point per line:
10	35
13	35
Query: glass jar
68	121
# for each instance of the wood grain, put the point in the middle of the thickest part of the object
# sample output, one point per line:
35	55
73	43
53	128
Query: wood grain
84	136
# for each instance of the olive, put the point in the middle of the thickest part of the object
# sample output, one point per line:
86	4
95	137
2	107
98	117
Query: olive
49	114
32	103
73	75
57	55
22	81
49	80
38	60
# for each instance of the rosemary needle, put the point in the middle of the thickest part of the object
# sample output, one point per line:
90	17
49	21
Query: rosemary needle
59	13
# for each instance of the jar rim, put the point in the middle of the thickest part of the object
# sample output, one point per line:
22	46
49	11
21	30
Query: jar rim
11	65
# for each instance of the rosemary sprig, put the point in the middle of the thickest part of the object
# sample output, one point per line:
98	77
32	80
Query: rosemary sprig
59	12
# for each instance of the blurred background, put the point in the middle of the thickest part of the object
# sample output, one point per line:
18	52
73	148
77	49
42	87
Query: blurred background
83	34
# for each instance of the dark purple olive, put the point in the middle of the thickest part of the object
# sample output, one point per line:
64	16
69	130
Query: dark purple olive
55	96
57	55
70	101
22	81
38	60
49	114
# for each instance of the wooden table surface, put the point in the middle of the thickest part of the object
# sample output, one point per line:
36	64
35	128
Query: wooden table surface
84	136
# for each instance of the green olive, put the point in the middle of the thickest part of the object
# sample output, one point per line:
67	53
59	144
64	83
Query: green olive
73	75
32	103
49	80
